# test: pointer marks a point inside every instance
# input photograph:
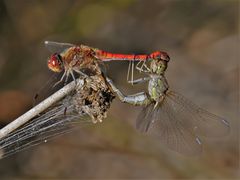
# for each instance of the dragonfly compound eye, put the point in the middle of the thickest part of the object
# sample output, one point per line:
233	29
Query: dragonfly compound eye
55	63
160	55
164	56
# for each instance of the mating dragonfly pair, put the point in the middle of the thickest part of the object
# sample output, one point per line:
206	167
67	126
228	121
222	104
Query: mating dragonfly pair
167	115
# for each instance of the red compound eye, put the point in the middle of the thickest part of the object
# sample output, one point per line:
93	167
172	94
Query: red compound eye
160	55
55	63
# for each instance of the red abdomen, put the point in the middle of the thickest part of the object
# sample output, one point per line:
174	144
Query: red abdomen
106	56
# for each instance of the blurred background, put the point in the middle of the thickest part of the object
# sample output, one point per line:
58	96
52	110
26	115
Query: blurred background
202	40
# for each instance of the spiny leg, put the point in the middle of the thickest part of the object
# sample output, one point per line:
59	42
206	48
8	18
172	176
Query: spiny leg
64	74
147	68
130	67
128	72
65	82
143	65
138	64
140	80
136	99
81	73
71	72
132	70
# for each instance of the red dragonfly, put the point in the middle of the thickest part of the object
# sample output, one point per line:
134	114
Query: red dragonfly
72	58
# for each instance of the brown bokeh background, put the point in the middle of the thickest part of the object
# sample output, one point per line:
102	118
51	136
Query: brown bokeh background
202	40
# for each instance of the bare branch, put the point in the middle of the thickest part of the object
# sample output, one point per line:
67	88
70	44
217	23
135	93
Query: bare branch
39	108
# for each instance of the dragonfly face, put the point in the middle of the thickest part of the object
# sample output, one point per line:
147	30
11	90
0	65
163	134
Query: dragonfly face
158	67
55	63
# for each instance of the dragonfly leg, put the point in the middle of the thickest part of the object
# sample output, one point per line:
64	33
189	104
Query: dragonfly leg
140	80
81	73
136	99
64	74
130	67
142	67
67	76
71	72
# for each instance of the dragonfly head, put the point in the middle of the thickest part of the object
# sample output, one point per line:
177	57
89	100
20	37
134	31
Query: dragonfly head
158	66
158	62
55	63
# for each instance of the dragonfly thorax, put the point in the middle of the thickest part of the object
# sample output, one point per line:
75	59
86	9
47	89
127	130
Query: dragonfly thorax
157	87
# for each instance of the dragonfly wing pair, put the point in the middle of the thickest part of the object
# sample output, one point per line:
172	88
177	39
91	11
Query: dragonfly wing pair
50	124
57	47
178	122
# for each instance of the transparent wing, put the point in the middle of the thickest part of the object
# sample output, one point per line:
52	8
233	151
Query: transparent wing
177	122
56	47
54	122
168	126
145	118
203	122
47	88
